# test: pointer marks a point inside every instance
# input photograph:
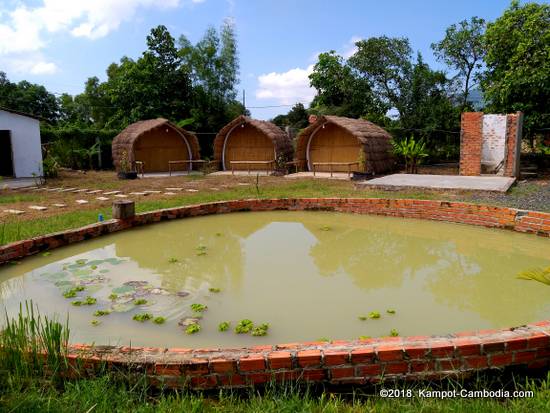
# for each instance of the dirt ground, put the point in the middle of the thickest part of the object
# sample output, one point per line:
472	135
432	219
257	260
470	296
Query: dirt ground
532	194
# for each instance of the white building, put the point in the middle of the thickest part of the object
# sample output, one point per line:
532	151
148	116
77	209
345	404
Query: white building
20	145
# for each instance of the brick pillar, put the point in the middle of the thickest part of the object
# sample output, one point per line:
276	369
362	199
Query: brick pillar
514	126
471	136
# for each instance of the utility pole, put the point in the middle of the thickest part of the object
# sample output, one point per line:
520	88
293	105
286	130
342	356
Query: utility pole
244	101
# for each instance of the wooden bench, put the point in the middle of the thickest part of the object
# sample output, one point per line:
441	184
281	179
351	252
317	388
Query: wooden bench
298	164
188	161
269	164
332	164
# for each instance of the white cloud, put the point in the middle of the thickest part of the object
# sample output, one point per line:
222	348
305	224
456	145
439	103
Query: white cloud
350	48
28	63
287	87
25	29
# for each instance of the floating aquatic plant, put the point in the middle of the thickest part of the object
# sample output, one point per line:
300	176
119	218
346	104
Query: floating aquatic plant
81	262
324	339
46	254
218	234
71	293
362	317
142	317
94	267
394	332
325	228
140	301
374	314
101	313
112	297
193	328
95	323
244	326
172	260
214	290
537	274
260	330
223	326
87	301
159	320
390	311
364	337
201	250
198	308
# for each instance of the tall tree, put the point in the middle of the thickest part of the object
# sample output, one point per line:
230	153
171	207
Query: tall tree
518	63
463	50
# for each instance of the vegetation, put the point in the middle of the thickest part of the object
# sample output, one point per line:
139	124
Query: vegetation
536	274
214	290
411	151
244	326
142	317
374	315
224	326
101	313
198	308
260	330
193	328
159	320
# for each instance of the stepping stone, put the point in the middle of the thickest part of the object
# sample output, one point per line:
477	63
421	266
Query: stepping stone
215	189
192	190
68	189
169	193
152	192
243	184
95	191
81	201
14	211
102	198
112	193
139	193
60	205
121	196
38	207
174	189
54	189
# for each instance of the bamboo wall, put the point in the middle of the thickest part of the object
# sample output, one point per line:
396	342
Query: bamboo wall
248	144
333	144
159	146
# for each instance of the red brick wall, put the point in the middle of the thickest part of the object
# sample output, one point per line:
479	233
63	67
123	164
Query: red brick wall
471	127
513	140
337	362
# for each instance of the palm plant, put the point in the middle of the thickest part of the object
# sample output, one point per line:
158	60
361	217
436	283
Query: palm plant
412	151
537	274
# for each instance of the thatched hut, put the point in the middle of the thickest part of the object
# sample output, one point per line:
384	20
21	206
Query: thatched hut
246	143
156	142
339	144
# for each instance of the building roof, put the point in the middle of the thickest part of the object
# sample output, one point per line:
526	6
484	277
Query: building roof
16	112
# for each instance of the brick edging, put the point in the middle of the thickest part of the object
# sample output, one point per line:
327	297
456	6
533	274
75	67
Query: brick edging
337	362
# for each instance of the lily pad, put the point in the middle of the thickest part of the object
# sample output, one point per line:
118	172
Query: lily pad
122	307
124	290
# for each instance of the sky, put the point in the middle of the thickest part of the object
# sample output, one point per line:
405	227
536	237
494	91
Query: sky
60	43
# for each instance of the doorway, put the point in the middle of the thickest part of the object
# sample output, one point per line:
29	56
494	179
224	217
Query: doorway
6	154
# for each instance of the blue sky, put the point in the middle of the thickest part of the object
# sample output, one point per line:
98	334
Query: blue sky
60	43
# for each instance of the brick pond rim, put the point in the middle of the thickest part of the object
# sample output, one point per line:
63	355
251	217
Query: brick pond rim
335	362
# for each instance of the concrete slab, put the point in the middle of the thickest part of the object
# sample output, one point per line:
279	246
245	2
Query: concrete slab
440	182
16	183
38	207
242	173
81	201
102	198
14	211
60	205
320	175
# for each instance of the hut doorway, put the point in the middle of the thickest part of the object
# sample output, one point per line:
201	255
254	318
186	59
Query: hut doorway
159	146
6	154
332	143
245	143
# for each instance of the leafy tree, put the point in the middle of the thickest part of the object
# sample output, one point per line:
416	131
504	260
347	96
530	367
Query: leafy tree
339	90
29	98
385	63
518	63
463	50
296	118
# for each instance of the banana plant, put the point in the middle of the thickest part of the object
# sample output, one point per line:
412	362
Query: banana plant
412	151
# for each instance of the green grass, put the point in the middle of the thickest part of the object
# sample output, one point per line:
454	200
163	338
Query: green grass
10	199
16	229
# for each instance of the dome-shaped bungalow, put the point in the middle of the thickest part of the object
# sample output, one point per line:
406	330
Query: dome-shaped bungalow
155	142
339	144
250	144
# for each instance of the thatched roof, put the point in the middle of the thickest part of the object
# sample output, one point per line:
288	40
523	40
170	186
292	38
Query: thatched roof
281	141
375	140
126	139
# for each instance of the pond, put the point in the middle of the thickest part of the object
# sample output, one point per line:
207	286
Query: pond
307	275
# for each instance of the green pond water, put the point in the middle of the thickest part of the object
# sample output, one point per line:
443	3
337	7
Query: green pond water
309	275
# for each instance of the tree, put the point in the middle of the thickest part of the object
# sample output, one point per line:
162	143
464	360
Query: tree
29	98
463	50
296	118
518	63
385	63
339	90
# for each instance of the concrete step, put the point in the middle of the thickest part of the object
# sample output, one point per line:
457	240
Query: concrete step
524	174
